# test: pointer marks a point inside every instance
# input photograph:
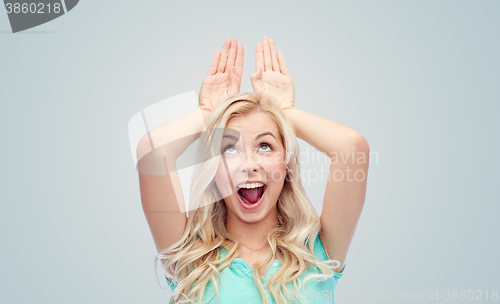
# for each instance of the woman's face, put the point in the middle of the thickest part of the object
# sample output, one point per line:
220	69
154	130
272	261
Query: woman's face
252	169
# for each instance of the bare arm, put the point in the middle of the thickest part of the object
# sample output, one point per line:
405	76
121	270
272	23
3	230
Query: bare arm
346	187
161	191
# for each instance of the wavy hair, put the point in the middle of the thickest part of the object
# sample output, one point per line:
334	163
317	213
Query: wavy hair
195	259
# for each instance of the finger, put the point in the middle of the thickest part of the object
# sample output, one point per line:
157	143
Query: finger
223	58
283	66
259	57
267	55
215	62
232	54
240	54
274	57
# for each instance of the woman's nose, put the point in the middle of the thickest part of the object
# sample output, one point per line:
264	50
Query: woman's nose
251	163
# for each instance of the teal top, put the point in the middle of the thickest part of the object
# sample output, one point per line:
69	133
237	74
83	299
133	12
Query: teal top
237	284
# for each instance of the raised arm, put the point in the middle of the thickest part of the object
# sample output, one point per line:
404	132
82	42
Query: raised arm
346	186
157	151
161	191
348	150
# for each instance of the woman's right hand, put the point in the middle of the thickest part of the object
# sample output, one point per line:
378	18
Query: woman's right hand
223	80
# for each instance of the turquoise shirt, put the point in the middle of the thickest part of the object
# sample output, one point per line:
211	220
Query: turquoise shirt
238	286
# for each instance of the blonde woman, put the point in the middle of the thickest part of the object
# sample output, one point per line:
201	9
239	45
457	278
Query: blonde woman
252	235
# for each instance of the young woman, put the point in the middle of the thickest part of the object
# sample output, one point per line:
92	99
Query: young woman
252	236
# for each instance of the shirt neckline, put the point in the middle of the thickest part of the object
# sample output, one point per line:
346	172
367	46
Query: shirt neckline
248	271
245	268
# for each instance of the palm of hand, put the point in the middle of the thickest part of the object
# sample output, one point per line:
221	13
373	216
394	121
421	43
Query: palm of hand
215	89
271	81
278	87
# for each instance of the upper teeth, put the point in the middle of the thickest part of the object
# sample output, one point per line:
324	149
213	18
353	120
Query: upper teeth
250	185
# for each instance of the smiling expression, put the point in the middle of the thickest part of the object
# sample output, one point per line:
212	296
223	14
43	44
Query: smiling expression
252	152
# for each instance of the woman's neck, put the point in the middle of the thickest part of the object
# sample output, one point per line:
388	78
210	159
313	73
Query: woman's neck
252	236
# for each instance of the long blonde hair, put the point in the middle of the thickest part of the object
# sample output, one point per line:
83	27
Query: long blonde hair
195	259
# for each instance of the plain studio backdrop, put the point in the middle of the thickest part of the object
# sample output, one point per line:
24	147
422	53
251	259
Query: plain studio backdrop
418	79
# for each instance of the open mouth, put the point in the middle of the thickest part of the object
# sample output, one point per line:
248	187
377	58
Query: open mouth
251	193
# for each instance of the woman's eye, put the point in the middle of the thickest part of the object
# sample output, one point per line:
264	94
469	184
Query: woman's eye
229	149
266	147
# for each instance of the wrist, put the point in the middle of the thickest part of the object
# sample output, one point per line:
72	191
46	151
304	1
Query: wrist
293	114
204	112
203	107
289	109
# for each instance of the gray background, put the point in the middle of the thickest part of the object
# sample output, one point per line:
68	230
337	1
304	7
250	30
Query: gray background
419	79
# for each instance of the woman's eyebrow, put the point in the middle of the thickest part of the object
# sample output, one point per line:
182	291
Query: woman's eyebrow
264	134
231	136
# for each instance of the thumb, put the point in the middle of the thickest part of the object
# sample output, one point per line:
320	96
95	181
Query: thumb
257	75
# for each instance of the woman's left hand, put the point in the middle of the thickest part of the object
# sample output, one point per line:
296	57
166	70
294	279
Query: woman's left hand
271	81
223	80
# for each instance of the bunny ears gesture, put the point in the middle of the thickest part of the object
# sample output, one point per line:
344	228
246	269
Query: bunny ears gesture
271	81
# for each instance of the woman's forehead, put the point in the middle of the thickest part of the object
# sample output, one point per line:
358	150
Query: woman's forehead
253	122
